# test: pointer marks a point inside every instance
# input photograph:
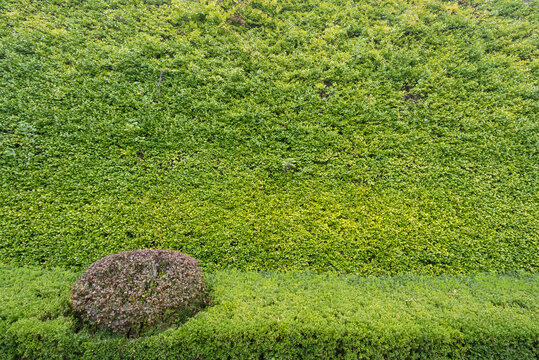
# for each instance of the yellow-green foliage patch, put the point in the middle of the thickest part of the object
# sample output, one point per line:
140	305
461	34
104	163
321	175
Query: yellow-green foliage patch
291	316
351	136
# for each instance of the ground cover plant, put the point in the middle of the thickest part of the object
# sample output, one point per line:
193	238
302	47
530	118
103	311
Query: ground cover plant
339	136
292	316
346	136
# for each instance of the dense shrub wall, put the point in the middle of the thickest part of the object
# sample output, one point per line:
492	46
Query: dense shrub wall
292	316
353	136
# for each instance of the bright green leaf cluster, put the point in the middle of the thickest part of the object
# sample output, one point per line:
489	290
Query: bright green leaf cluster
292	316
330	135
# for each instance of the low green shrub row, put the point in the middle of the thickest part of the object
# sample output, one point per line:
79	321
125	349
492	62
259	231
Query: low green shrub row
291	316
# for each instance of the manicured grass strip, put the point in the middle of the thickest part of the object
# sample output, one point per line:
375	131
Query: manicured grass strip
292	316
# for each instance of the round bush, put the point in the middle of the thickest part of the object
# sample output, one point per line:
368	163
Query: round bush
133	292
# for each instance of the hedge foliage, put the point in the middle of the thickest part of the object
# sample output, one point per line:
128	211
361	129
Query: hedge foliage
331	135
292	316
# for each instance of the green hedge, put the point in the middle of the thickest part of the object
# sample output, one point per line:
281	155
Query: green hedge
292	316
330	135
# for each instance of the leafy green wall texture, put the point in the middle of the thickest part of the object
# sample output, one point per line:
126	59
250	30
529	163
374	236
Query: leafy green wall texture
354	137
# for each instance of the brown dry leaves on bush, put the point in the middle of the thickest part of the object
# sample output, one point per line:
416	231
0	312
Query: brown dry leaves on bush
136	291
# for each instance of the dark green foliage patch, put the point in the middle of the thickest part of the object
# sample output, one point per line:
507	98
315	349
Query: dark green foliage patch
354	137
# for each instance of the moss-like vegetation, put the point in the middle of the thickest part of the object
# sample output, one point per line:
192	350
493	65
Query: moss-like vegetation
355	137
292	316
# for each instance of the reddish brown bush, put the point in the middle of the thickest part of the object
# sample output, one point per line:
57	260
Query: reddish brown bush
134	292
